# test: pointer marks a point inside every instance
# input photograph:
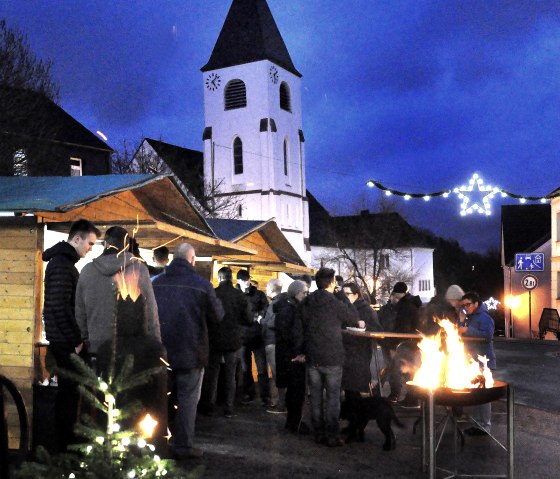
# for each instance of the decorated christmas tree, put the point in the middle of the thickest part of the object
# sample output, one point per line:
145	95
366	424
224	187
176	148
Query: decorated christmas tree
109	451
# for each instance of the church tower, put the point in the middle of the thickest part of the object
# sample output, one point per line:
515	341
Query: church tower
253	137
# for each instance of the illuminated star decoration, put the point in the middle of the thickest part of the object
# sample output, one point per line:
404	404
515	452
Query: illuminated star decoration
492	303
476	196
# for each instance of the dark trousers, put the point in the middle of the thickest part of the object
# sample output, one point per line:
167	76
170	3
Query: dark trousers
262	371
67	396
295	395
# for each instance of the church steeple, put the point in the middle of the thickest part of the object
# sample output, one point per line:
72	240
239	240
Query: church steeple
249	34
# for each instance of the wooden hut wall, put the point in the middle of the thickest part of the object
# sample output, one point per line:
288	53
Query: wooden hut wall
20	298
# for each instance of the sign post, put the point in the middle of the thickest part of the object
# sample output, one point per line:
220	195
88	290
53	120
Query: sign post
529	282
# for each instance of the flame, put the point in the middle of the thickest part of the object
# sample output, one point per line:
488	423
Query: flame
446	364
127	283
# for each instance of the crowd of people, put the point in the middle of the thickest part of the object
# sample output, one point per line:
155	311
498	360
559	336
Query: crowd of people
211	337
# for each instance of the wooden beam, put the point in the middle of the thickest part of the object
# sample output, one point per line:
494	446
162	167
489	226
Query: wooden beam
222	245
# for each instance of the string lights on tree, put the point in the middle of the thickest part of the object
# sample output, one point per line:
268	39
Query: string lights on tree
475	197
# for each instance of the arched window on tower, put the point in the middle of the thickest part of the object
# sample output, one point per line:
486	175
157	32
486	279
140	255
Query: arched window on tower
235	95
237	156
286	159
285	102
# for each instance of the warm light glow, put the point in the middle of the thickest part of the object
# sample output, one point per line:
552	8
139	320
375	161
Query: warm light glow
446	364
127	283
147	425
513	302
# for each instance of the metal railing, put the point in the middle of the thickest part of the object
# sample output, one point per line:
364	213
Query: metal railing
9	386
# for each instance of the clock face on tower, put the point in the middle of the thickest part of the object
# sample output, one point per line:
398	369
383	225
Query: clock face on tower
213	81
273	73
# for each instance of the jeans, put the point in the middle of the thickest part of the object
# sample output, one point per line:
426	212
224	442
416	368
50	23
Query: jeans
189	384
325	416
262	372
230	363
277	395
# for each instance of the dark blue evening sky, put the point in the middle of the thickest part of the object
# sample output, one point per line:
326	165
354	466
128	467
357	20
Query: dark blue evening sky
418	95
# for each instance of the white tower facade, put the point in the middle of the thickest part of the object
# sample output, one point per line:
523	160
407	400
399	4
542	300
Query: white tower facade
253	136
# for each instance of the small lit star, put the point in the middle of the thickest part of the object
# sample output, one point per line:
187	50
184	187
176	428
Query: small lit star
492	303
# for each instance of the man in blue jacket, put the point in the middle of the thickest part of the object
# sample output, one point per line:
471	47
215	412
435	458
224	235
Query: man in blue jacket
478	324
186	303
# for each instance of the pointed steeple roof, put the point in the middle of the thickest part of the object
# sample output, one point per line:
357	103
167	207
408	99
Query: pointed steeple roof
249	34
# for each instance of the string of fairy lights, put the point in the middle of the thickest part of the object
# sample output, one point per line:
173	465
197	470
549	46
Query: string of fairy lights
475	197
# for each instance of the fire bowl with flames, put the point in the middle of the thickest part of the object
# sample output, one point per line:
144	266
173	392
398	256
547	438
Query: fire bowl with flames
451	374
461	397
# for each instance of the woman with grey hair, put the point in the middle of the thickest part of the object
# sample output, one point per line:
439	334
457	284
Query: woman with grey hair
290	362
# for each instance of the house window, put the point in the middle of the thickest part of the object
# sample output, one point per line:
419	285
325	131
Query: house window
285	103
384	261
424	285
237	156
21	166
286	157
75	167
235	95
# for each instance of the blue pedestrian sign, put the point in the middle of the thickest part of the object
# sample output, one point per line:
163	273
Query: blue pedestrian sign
529	262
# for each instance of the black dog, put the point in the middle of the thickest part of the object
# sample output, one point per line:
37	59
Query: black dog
360	410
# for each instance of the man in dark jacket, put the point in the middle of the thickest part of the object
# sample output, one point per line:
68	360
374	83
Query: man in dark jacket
187	304
253	343
289	357
323	318
356	374
407	321
62	331
225	343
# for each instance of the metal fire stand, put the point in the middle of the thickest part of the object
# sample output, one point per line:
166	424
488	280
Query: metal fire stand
429	446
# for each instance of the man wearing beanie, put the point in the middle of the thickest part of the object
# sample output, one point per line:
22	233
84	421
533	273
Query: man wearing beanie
407	321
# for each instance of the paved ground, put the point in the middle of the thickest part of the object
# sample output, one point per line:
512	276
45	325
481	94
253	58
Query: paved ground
254	443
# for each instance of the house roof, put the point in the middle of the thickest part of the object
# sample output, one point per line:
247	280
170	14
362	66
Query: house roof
249	34
523	228
26	113
365	230
186	164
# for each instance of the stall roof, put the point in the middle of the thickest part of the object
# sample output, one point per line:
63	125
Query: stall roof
274	250
153	202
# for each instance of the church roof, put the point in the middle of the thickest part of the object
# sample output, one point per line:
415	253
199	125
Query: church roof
249	35
186	164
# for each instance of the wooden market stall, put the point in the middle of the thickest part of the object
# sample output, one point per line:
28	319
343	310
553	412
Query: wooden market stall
274	253
153	205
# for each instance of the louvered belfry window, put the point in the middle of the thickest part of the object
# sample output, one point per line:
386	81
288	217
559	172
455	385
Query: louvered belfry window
235	95
285	103
237	156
